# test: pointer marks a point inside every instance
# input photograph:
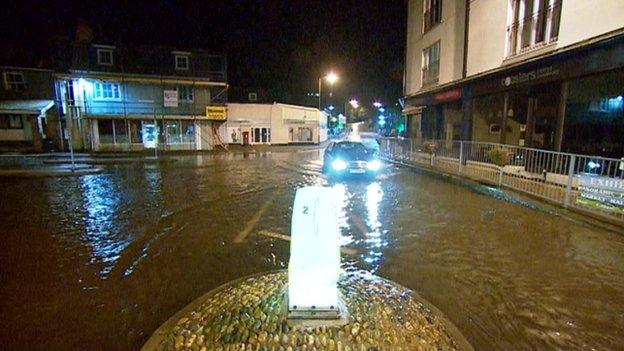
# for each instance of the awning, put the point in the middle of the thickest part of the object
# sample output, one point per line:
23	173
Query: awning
26	107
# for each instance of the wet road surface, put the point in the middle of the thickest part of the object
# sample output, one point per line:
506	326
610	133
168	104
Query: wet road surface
100	261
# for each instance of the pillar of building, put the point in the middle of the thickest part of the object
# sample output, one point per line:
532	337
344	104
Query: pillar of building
503	128
466	133
561	111
530	122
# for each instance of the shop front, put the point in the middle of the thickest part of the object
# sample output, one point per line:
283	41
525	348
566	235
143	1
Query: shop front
439	115
128	134
568	102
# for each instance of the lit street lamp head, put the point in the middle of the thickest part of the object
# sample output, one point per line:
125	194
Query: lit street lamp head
331	77
354	103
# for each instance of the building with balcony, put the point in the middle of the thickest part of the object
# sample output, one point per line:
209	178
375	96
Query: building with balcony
111	95
275	124
539	73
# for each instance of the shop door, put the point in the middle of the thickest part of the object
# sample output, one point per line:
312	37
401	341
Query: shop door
544	127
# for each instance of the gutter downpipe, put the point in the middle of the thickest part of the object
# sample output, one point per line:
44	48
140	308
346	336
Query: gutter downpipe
466	25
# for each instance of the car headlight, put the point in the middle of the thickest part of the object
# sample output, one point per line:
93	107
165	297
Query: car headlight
339	165
373	165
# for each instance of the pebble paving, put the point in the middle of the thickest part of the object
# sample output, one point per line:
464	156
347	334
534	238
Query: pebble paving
250	315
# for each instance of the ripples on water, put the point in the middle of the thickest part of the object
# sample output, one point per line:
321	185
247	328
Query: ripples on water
99	261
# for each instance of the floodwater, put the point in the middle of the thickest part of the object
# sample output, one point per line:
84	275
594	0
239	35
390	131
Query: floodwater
100	261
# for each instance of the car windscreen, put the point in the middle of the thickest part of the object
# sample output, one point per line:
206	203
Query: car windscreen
370	144
350	150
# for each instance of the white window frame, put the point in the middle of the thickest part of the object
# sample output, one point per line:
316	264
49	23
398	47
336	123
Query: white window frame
100	52
189	89
530	17
185	57
428	7
14	85
252	96
426	64
99	91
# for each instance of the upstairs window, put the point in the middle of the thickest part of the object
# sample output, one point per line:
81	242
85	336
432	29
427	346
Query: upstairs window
185	93
181	62
531	24
105	57
14	81
106	91
431	63
432	14
252	96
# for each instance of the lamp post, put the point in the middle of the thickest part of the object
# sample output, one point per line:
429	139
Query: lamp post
331	78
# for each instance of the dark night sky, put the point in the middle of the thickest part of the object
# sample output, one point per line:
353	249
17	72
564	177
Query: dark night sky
280	45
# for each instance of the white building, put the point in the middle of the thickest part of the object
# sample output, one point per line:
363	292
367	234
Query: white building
541	73
274	124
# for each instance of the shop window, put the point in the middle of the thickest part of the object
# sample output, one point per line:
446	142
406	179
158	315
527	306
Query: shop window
601	105
256	135
136	131
265	135
305	134
105	57
106	91
14	81
121	131
173	132
105	131
532	23
11	122
432	14
188	131
161	132
431	63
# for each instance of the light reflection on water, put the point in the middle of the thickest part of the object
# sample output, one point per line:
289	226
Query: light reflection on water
102	231
346	238
375	238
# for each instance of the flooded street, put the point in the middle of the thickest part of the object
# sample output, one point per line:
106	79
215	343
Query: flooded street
100	261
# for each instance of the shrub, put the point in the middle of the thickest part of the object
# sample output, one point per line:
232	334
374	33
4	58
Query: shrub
500	156
430	148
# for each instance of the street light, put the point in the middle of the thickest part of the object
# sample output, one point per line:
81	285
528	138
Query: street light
331	78
377	104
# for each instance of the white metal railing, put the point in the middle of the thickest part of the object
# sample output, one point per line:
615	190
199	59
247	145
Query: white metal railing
591	184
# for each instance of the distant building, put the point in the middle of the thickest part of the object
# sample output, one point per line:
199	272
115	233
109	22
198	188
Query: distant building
253	95
29	120
540	73
110	94
275	124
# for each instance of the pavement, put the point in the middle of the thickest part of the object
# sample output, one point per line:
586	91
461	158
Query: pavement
60	163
